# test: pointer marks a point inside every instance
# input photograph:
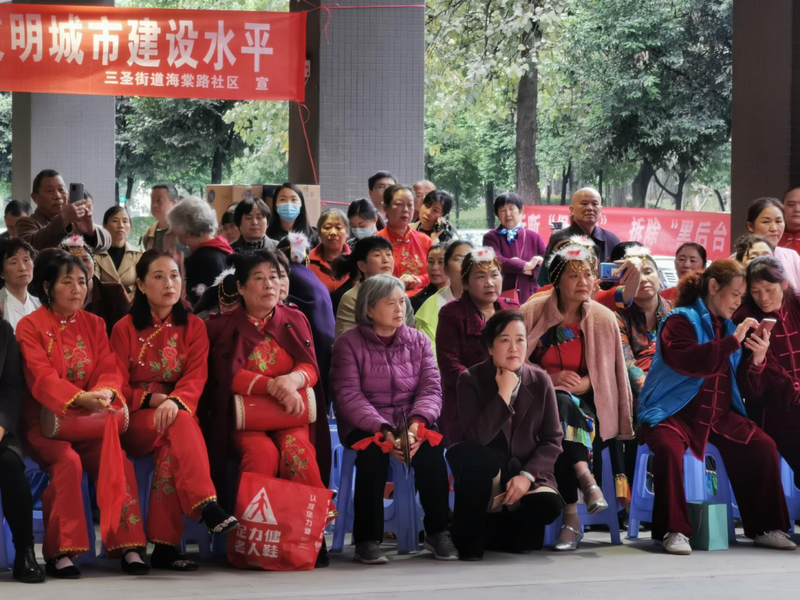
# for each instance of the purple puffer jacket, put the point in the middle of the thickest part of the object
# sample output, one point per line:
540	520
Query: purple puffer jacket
372	383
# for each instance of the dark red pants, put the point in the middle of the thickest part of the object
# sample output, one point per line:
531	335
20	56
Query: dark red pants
65	528
753	469
181	482
287	453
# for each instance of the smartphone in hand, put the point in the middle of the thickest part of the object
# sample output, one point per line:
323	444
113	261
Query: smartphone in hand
765	325
75	192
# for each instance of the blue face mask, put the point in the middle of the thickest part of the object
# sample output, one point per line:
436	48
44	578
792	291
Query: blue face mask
288	212
362	232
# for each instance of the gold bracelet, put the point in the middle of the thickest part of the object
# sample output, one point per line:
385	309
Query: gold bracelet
252	383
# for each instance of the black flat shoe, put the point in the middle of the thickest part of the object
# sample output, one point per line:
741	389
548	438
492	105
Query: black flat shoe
26	569
70	572
134	568
216	519
167	557
323	560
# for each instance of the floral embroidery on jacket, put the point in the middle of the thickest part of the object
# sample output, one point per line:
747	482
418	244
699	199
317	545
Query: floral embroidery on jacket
292	457
163	482
264	354
170	361
410	263
76	360
128	519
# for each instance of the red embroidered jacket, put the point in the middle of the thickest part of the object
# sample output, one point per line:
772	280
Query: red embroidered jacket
165	358
410	255
62	358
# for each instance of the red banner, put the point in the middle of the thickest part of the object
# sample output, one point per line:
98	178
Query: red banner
660	230
231	55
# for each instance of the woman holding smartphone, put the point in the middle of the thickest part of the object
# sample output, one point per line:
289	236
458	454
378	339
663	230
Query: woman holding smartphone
773	399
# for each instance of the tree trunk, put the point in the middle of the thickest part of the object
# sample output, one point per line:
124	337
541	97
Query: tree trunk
720	199
600	181
217	164
683	177
640	184
526	171
566	175
490	205
129	190
116	190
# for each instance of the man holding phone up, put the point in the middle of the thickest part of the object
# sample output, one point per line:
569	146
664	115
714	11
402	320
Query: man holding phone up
56	217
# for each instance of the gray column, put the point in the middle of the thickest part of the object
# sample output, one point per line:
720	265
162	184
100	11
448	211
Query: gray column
371	94
70	133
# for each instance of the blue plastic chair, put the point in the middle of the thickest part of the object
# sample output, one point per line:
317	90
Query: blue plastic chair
6	543
791	492
193	531
694	482
402	515
39	481
607	517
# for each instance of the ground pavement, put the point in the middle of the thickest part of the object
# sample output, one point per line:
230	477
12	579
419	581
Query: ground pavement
597	571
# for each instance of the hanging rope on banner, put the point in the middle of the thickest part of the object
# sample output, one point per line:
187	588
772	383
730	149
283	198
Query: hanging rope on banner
300	108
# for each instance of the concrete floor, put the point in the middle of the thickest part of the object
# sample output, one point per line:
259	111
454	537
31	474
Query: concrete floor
595	572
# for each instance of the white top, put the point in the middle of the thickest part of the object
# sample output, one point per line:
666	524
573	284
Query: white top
14	310
790	260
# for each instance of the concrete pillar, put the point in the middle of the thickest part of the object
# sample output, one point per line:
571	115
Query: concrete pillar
366	98
766	104
69	133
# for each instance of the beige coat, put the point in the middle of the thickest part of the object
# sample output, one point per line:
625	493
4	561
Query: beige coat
126	275
604	359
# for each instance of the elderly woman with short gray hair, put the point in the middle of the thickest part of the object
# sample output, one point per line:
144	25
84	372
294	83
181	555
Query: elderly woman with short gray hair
384	375
195	223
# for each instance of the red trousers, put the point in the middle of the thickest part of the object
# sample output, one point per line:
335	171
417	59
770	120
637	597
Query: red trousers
64	520
181	482
287	453
754	471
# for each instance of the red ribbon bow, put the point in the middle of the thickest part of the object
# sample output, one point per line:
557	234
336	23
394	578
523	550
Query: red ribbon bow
434	438
377	439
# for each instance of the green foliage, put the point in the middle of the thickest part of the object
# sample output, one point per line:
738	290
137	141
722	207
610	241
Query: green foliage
194	142
634	80
5	144
139	225
478	53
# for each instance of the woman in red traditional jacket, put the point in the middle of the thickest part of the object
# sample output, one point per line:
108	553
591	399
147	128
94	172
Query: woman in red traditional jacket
68	365
163	353
773	400
264	348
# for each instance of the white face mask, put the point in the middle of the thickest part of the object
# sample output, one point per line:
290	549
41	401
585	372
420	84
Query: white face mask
362	232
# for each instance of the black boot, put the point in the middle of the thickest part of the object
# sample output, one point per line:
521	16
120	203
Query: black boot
26	569
216	519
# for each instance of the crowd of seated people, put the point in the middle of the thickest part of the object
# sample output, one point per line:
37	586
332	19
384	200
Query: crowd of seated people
512	363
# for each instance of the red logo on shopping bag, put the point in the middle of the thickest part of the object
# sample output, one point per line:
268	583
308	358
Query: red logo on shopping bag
260	510
264	541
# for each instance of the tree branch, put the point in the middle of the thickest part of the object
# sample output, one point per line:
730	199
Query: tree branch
662	186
